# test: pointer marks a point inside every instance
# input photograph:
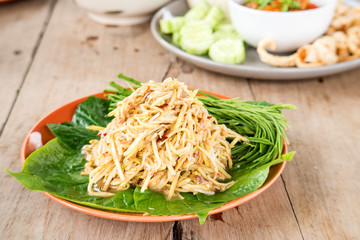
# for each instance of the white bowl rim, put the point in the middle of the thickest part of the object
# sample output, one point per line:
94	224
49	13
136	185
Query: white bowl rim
287	13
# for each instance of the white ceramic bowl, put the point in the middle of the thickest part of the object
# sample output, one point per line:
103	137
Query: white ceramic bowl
121	12
289	30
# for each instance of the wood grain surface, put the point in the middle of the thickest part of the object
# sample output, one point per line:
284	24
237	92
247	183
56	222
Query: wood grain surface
326	135
64	55
18	44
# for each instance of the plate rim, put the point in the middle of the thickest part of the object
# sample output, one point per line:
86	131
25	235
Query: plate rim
141	217
245	71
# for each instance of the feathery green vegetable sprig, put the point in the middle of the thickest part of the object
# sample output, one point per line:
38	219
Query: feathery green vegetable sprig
284	5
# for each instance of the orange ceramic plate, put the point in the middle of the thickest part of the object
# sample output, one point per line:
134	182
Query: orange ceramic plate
66	112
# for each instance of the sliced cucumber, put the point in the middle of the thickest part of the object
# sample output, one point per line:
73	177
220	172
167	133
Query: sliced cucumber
225	26
225	30
228	50
171	25
203	30
176	38
196	37
214	16
198	12
218	35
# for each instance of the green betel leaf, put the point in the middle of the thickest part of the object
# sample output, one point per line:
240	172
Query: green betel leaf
288	156
247	181
73	135
93	111
202	216
55	168
155	203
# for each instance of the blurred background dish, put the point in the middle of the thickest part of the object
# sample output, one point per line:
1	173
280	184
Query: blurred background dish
252	67
223	4
121	12
289	30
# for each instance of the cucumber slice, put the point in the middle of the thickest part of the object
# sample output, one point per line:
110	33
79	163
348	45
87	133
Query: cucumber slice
218	35
176	38
214	16
225	26
225	30
196	37
171	25
228	50
198	12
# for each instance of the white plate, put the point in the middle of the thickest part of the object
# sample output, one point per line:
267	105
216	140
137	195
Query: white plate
252	67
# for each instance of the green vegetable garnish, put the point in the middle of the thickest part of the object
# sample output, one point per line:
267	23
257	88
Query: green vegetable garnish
55	168
275	5
202	31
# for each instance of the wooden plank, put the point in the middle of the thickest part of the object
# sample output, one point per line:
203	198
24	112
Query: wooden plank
269	215
80	58
17	44
198	78
323	181
82	226
76	57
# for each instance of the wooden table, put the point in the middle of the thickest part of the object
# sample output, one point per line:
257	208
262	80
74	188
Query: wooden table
51	53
